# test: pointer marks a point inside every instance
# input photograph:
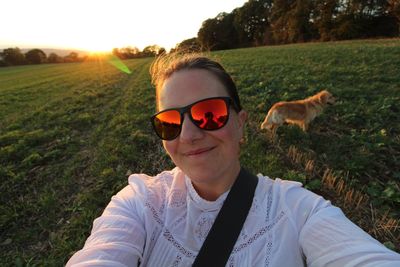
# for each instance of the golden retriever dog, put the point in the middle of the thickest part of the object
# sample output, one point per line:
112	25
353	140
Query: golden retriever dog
299	112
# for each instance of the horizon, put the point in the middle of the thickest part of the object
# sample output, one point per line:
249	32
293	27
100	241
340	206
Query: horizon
102	25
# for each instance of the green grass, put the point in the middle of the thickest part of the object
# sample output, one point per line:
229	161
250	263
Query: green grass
360	135
71	133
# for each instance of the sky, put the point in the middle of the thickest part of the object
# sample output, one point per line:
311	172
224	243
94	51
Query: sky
100	25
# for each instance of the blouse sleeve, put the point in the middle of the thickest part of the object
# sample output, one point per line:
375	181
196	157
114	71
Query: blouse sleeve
329	239
118	235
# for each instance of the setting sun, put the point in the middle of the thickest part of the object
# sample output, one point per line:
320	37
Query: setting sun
95	47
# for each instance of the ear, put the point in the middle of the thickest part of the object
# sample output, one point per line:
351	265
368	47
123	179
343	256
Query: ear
323	98
242	117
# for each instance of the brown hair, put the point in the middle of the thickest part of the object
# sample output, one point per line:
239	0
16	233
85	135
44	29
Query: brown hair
166	65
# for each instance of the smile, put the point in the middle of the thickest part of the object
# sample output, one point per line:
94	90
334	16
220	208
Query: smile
198	152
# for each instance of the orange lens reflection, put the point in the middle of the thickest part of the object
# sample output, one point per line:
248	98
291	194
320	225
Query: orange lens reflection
168	124
211	114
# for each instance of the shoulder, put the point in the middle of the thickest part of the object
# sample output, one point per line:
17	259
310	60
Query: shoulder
143	182
154	187
285	191
290	198
142	190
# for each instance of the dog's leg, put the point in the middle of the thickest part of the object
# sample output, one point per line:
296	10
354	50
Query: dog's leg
304	126
274	128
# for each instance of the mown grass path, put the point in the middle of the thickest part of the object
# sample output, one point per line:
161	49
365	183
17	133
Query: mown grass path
71	133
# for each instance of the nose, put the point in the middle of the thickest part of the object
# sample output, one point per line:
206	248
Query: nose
189	131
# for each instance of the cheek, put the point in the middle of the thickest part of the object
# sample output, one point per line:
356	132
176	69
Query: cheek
229	135
170	147
235	130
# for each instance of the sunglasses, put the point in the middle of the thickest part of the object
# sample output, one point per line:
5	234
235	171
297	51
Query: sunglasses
207	114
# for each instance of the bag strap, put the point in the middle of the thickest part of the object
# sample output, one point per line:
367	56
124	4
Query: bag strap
225	231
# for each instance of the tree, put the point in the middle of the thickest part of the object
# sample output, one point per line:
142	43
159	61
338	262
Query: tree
35	56
127	52
251	22
393	9
218	33
240	23
152	50
323	15
260	22
206	34
365	19
13	56
299	27
117	53
280	20
72	57
191	44
54	58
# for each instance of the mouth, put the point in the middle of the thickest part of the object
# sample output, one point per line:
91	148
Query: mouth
331	101
198	152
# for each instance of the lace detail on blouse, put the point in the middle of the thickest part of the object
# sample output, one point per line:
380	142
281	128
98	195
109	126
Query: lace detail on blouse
177	245
203	226
177	199
269	204
267	218
231	261
258	234
177	261
178	221
152	243
155	214
157	197
255	206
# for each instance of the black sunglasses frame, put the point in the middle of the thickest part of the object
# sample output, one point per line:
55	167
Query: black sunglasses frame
186	109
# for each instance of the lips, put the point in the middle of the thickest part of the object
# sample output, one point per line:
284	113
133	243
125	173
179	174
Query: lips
200	151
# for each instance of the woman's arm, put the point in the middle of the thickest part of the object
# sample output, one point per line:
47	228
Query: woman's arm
118	235
329	238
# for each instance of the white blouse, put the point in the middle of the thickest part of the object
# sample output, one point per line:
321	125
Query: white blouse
162	221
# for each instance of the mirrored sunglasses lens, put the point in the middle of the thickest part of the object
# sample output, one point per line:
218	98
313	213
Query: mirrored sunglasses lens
210	114
168	124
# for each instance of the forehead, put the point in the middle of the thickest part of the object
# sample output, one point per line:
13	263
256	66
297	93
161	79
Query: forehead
187	86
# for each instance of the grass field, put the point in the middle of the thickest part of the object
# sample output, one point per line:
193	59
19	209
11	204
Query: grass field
70	134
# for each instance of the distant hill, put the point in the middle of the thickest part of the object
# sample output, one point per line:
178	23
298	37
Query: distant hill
60	52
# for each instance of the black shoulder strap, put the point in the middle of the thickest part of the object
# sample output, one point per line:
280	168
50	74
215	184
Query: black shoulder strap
227	226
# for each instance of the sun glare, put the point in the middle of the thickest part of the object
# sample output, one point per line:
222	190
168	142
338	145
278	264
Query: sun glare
95	42
96	48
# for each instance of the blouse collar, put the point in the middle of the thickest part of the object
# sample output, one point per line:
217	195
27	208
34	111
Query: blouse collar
201	203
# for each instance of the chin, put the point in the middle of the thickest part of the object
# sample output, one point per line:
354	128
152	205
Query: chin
200	174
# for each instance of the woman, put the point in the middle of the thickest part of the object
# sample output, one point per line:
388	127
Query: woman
164	220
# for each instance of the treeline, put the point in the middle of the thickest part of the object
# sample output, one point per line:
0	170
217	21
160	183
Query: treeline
261	22
14	56
267	22
134	52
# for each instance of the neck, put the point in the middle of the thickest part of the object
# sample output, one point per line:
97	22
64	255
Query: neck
213	188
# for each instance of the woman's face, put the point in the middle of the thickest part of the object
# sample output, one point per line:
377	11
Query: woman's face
205	156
